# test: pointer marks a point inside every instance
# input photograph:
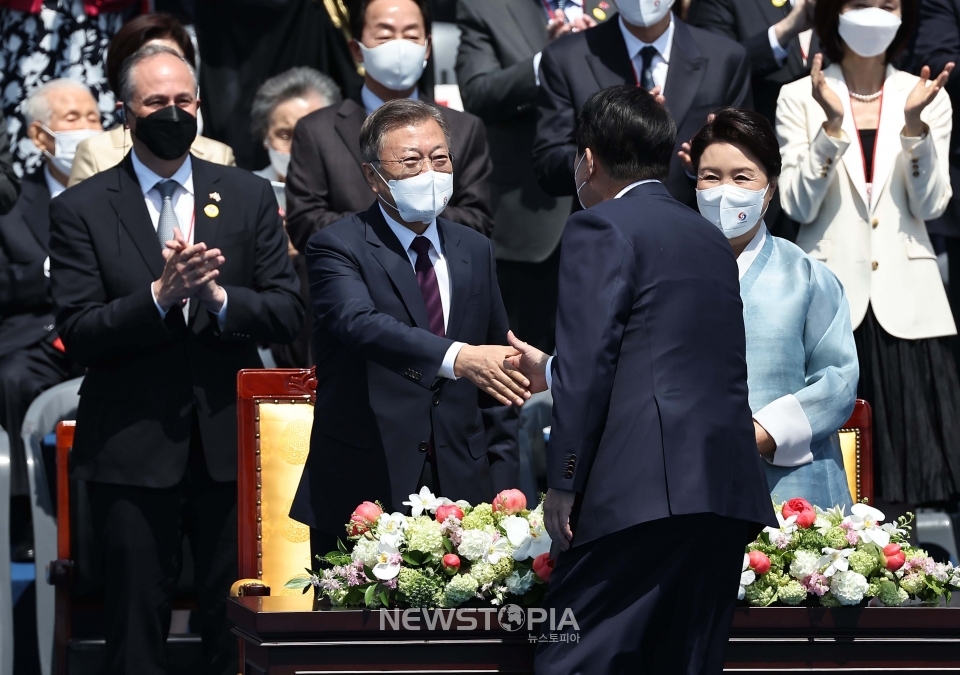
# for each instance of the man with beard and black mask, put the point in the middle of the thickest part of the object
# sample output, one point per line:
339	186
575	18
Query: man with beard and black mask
166	272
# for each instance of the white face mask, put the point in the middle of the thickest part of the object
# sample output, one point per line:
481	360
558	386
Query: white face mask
733	209
868	31
397	64
280	161
643	12
65	147
422	198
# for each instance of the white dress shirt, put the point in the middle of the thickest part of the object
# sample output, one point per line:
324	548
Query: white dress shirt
660	63
373	102
406	237
183	207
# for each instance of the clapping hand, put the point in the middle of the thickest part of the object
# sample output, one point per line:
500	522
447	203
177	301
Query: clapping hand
187	269
685	160
487	367
530	361
559	26
209	293
921	96
826	97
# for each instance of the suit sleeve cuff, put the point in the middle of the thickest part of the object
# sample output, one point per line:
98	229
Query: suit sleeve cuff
789	427
536	66
450	358
549	373
222	314
779	53
163	315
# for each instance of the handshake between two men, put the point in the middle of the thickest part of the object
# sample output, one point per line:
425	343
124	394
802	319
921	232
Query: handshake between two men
510	374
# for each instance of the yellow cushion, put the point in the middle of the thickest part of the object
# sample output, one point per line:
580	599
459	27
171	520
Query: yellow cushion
849	446
284	444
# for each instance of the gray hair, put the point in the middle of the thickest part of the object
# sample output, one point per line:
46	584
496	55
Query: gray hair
294	83
401	112
37	108
148	51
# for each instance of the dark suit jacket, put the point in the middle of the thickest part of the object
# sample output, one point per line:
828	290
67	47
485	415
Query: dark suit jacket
706	71
26	309
747	22
650	410
149	378
378	402
325	182
937	44
9	183
498	42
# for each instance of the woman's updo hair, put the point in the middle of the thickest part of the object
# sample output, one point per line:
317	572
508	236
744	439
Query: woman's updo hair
748	129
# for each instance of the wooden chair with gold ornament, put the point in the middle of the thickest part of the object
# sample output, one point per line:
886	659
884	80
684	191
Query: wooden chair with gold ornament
856	445
275	417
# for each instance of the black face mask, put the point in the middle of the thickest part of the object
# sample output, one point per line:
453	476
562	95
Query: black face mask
168	132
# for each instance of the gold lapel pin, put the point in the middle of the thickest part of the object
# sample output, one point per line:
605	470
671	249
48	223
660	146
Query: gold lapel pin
211	210
599	14
215	196
778	3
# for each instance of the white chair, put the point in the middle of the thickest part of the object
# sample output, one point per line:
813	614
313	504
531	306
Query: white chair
6	596
55	404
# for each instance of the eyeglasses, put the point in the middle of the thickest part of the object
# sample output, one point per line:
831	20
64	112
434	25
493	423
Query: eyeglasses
413	165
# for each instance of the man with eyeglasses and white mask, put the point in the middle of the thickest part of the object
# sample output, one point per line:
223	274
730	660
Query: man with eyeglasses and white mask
409	335
325	181
59	114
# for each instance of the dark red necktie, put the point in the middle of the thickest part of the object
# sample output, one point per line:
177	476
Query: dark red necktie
429	288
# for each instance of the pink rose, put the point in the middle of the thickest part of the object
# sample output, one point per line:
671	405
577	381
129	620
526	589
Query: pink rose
448	510
759	562
510	502
363	518
892	557
802	509
543	567
451	564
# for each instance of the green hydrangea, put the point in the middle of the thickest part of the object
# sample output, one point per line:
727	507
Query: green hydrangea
421	587
486	573
808	539
461	588
762	592
423	534
892	595
836	537
482	515
912	584
873	588
828	599
792	593
863	562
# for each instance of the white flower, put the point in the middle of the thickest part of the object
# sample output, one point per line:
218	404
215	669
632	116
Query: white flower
893	530
780	536
366	550
848	587
866	522
834	561
821	525
528	539
804	564
518	585
387	567
474	544
423	501
747	577
390	529
499	547
463	504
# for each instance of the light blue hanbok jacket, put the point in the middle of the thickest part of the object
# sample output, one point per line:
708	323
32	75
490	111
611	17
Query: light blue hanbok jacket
802	367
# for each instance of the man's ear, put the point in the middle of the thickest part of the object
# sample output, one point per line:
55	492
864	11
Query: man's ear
355	51
589	160
373	180
33	132
429	48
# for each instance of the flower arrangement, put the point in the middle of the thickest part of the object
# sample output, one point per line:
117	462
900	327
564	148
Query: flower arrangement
444	554
835	559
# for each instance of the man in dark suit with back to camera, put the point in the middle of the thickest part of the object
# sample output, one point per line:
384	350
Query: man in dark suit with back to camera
325	181
408	324
166	272
652	441
647	46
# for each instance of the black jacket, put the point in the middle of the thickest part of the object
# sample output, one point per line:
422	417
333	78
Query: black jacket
148	378
378	399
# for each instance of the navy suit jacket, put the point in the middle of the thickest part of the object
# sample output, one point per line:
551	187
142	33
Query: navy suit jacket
651	417
378	400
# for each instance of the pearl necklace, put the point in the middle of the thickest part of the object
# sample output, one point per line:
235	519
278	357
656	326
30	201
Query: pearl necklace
866	98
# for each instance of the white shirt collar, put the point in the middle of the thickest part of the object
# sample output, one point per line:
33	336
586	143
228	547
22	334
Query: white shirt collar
269	173
663	44
406	235
148	179
750	253
372	102
53	185
633	185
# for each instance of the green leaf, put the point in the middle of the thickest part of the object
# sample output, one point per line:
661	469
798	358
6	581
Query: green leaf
448	545
369	595
414	558
299	582
384	598
341	546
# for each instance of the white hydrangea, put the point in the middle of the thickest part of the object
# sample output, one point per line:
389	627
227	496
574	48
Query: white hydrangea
848	587
474	544
365	550
804	564
518	585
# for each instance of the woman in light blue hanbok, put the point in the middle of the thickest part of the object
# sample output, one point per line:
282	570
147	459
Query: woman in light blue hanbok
802	366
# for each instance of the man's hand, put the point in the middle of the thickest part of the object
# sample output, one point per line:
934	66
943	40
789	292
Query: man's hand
765	443
686	161
186	270
556	517
798	20
559	26
530	361
486	366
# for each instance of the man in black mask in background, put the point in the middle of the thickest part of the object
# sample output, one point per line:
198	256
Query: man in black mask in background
166	272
